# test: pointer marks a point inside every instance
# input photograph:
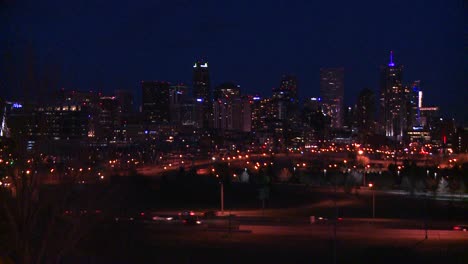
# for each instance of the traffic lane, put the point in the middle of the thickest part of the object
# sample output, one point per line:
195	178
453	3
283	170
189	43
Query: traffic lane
372	232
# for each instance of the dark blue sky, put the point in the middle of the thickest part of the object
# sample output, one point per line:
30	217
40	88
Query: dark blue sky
105	45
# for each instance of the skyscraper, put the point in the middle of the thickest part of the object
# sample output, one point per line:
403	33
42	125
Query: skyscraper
393	100
415	104
365	112
155	99
226	90
332	92
202	91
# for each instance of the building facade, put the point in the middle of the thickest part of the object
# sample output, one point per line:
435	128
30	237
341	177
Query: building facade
332	93
202	91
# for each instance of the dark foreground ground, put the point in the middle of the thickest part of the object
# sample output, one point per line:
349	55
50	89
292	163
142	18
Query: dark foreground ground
135	243
281	233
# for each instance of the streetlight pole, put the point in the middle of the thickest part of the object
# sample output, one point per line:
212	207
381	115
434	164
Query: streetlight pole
222	198
426	214
325	174
364	178
373	199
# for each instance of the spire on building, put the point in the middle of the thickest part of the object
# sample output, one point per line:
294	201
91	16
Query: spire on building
391	64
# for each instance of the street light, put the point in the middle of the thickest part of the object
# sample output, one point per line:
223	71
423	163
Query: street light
222	197
373	199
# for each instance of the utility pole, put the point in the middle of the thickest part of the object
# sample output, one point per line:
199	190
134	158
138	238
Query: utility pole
222	198
425	217
334	225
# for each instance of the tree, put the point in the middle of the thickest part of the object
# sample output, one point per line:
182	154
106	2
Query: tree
43	222
443	186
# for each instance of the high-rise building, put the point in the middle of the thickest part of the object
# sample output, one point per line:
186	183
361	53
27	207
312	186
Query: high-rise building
155	108
429	116
314	118
107	118
202	91
226	90
414	105
365	112
393	100
285	98
125	101
4	131
230	110
289	87
232	114
332	93
178	96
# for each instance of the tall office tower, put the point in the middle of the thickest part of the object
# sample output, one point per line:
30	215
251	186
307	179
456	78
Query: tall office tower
125	101
202	91
4	132
314	118
365	112
393	100
232	114
286	104
289	87
108	118
285	98
227	90
178	96
259	114
429	117
128	121
155	108
332	92
230	110
414	105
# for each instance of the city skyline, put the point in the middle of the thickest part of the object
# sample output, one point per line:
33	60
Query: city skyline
427	42
203	131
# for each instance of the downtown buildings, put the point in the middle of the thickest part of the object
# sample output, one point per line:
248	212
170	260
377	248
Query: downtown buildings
204	118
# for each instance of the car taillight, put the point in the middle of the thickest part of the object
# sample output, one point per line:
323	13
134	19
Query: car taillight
192	213
456	228
142	214
340	219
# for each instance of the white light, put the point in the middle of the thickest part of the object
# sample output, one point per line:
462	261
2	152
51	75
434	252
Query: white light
420	97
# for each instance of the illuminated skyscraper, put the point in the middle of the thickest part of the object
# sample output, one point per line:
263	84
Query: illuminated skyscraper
202	91
332	92
415	104
393	100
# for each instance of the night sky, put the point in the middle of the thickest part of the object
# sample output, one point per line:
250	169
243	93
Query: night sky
107	45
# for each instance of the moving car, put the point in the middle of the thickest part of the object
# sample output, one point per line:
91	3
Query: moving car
463	228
